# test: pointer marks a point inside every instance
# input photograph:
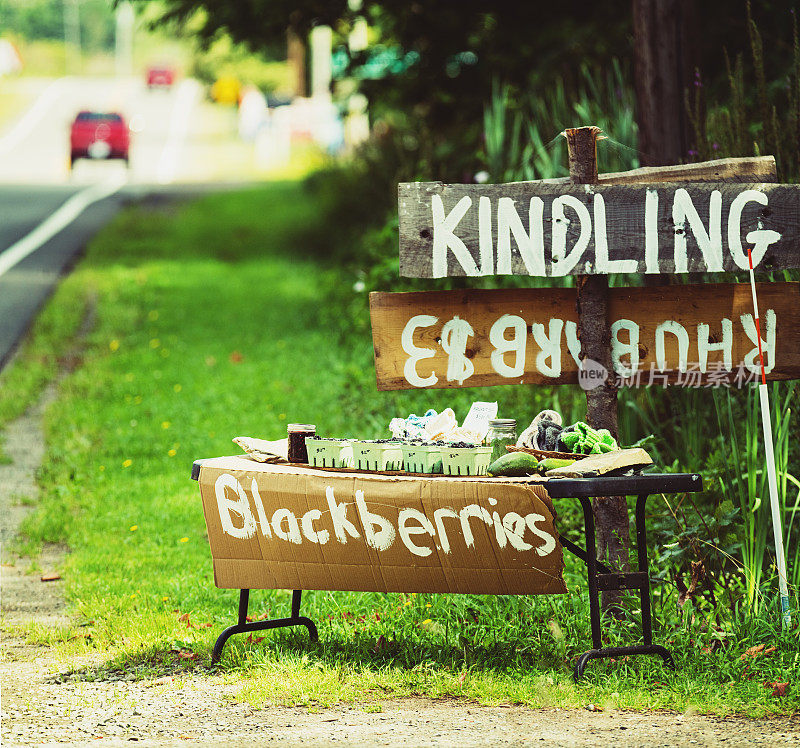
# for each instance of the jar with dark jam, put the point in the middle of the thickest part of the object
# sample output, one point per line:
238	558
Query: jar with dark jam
297	441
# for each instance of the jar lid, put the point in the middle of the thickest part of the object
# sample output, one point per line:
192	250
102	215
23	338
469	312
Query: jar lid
301	427
503	423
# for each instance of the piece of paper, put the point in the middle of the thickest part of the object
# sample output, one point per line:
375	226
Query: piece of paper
477	420
604	463
262	450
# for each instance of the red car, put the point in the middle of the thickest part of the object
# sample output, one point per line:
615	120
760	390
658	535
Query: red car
98	135
160	77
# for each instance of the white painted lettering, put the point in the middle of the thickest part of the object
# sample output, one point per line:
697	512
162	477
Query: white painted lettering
485	241
472	510
425	528
530	244
651	231
444	237
342	526
454	343
768	325
415	354
241	507
679	331
292	531
620	349
760	238
381	539
263	522
550	345
563	263
573	344
549	541
709	242
438	516
705	346
307	523
503	345
514	525
602	262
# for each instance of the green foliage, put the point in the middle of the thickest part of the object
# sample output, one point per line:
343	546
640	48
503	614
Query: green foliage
522	138
224	58
44	19
755	116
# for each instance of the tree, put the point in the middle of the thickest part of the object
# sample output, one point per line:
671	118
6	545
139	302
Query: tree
459	48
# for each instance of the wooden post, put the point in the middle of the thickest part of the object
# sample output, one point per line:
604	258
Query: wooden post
296	59
611	513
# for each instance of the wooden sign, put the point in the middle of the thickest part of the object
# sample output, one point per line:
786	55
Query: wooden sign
545	229
689	335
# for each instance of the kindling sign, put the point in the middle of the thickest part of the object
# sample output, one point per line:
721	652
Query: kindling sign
690	335
537	229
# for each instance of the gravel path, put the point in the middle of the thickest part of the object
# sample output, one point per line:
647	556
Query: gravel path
42	704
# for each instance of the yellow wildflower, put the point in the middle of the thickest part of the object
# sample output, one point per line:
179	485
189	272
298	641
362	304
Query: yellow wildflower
114	345
134	528
154	343
184	540
165	424
127	463
172	453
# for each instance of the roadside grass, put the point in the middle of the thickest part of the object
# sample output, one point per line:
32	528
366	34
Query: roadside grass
209	325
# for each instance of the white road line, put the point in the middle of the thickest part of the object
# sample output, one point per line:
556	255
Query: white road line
25	123
178	128
57	221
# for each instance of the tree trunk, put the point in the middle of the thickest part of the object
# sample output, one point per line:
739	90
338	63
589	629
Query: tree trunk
296	57
594	333
662	46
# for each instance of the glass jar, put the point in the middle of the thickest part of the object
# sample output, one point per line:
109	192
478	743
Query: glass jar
297	433
502	433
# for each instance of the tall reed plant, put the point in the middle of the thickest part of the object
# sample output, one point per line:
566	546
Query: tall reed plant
746	482
521	129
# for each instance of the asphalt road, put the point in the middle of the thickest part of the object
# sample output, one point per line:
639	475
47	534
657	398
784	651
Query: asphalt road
179	145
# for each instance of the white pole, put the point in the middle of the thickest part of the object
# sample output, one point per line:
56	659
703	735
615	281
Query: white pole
72	35
123	48
769	454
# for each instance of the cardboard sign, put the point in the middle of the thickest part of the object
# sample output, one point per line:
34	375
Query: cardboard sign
292	527
540	229
689	335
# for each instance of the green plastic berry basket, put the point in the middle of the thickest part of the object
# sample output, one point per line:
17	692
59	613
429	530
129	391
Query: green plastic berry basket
377	455
422	458
322	452
465	460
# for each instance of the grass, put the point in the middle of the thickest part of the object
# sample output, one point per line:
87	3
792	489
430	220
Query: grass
209	324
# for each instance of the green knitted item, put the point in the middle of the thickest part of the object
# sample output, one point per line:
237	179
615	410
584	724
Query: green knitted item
581	438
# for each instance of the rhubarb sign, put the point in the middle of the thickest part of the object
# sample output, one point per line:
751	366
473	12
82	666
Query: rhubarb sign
547	230
691	335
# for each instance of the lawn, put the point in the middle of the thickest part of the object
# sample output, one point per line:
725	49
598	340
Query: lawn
209	322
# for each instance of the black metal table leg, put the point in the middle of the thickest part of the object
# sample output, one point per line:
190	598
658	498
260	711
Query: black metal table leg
618	581
242	625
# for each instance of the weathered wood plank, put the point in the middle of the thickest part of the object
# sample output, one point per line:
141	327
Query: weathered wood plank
529	336
530	228
749	170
